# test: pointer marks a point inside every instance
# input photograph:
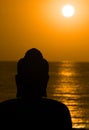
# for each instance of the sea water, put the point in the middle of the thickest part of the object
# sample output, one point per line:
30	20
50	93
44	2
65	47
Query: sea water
68	83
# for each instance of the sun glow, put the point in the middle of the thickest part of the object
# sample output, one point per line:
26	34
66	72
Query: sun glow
68	11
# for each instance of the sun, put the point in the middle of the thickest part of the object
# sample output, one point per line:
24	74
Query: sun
68	10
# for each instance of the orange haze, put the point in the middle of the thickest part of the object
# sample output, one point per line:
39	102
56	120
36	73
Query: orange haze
39	23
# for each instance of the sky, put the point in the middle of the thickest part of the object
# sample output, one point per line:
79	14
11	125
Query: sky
26	24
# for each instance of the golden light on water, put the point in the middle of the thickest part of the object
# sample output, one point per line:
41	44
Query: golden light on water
67	92
66	73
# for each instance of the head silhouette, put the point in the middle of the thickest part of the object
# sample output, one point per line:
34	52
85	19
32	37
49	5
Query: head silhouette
32	75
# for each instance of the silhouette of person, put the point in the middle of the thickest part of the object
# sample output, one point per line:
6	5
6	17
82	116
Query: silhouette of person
31	100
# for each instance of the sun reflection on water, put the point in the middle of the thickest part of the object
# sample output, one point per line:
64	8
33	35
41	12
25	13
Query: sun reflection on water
67	91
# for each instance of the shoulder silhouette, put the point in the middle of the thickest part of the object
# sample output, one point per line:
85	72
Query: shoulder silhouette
31	100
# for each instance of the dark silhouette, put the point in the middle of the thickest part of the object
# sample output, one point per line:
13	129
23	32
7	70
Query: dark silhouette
32	102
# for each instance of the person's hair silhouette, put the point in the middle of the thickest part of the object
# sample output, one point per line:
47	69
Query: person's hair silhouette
32	75
32	102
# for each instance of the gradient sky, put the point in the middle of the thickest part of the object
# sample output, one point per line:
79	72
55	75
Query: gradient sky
25	24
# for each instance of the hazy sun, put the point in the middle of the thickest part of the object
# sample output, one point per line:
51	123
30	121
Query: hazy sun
68	11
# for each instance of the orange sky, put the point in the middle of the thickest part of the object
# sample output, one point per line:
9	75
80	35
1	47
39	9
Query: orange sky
39	23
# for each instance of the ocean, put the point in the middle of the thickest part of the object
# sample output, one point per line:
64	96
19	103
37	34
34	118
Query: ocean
68	83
